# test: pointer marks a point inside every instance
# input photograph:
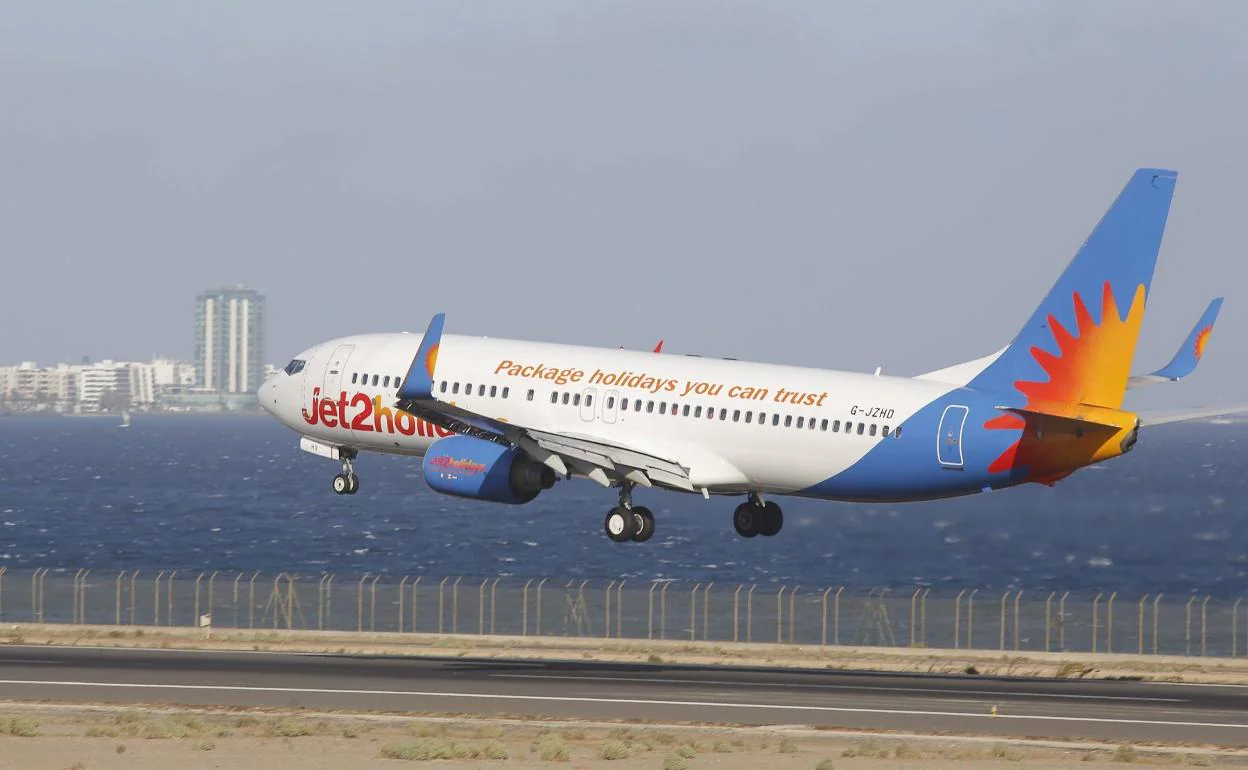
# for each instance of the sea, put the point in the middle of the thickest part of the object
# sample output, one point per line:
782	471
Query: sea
223	492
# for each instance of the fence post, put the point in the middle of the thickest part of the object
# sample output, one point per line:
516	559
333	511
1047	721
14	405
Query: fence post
663	611
914	601
749	613
1204	627
793	610
2	571
1048	616
706	598
606	631
736	613
970	619
1096	608
1001	644
1018	597
169	599
1187	634
442	602
156	598
693	613
524	610
1061	622
415	596
134	609
276	597
197	607
779	614
359	603
836	616
251	599
481	607
402	596
117	606
1155	602
493	604
1234	623
1140	625
1109	623
650	611
957	620
823	617
74	603
237	579
539	605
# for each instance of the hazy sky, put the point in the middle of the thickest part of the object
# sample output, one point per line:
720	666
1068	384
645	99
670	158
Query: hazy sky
829	184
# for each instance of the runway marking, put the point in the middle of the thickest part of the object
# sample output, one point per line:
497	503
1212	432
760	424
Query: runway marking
867	688
621	701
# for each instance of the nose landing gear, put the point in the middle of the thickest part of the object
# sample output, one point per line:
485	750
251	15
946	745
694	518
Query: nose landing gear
347	482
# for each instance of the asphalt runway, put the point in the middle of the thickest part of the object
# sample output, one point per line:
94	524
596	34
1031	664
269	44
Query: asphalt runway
1143	712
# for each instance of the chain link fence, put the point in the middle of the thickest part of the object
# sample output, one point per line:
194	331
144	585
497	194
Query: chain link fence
633	609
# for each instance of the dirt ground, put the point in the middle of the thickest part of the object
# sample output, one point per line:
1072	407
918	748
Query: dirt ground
107	738
1170	668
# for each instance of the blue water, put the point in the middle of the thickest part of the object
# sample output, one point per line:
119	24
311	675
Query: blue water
222	492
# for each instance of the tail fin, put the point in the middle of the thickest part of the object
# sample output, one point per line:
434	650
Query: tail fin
1078	345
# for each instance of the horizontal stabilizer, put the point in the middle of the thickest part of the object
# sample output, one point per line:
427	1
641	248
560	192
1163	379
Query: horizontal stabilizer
1189	355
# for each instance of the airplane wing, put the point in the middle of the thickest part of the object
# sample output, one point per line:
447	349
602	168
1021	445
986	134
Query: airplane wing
1149	419
602	461
1189	355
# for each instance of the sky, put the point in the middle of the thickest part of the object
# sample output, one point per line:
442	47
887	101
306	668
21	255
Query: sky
797	182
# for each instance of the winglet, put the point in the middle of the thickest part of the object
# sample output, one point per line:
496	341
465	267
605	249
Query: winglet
1189	355
659	347
418	384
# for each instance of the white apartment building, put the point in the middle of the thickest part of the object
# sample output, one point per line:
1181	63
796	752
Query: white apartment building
229	340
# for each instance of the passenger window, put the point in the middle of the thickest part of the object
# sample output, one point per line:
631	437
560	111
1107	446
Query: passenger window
861	427
386	382
354	377
636	404
565	399
662	407
884	432
811	423
589	400
554	397
836	426
788	421
455	387
685	411
493	391
849	427
623	404
675	410
649	407
481	390
530	397
375	378
723	414
576	400
749	417
506	390
467	388
800	421
697	411
823	425
872	431
775	419
443	388
897	433
736	415
610	402
762	418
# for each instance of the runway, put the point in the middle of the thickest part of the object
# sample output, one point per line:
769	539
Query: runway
1140	712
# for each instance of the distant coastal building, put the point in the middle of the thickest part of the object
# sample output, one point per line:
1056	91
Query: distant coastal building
229	340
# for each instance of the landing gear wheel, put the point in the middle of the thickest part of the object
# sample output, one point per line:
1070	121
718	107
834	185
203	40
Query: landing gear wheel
620	524
354	483
772	520
342	484
746	519
644	521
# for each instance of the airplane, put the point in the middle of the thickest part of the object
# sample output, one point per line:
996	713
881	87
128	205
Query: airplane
502	420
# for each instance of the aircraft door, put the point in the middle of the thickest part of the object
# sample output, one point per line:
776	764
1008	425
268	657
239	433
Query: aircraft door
949	436
610	405
589	397
331	383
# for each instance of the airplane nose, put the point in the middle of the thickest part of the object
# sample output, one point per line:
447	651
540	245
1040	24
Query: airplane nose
267	396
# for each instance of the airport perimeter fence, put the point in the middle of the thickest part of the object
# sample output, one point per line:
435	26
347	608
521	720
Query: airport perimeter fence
920	617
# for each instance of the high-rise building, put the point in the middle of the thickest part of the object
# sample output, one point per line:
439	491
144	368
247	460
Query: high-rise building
229	340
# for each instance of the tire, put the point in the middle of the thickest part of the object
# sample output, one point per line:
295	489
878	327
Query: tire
772	520
354	484
342	484
644	521
746	520
620	525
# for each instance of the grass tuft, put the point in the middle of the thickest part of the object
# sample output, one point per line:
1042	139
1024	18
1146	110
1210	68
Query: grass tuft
203	745
1125	753
23	727
494	750
825	764
551	748
905	751
613	748
675	762
721	747
287	727
688	751
422	750
786	746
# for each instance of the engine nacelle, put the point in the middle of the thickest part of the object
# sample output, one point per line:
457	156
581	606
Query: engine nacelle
464	466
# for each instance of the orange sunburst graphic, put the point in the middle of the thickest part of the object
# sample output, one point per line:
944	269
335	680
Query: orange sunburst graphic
431	359
1202	339
1090	368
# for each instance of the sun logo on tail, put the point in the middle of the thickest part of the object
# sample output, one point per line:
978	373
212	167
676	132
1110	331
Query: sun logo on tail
431	359
1091	366
1202	339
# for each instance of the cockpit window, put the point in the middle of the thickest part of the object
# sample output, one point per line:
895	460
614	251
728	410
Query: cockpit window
295	366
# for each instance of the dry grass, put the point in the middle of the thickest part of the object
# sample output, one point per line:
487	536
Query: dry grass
23	727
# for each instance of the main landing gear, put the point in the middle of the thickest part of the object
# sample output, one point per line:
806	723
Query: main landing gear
754	517
347	483
629	522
